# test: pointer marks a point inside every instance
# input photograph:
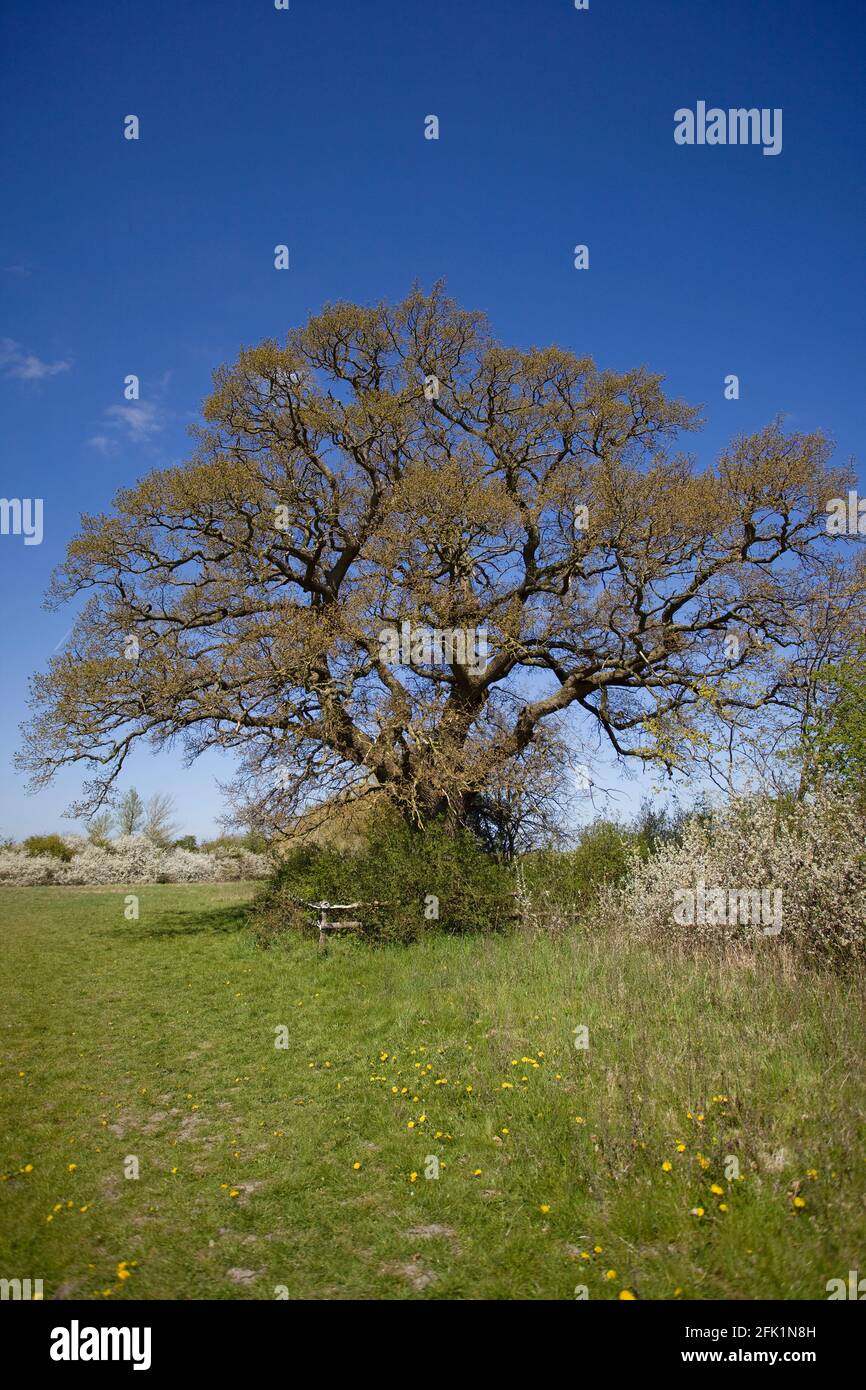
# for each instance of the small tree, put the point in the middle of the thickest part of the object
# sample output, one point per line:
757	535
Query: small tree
130	812
99	827
158	824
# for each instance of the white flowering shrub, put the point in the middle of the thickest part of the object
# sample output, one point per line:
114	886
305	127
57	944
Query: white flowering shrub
812	855
75	843
129	859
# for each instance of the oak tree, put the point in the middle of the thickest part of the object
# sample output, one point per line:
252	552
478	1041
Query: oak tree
396	464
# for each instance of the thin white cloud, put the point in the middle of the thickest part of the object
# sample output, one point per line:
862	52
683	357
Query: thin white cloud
137	420
26	366
103	443
134	423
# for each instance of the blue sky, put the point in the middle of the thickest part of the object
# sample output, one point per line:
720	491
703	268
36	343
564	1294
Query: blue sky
306	127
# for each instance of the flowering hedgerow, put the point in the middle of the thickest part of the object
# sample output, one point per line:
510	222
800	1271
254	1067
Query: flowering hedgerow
129	859
813	853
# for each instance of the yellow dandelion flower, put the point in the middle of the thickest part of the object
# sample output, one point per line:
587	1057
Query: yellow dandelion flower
799	1202
717	1191
611	1274
667	1166
356	1165
625	1294
544	1208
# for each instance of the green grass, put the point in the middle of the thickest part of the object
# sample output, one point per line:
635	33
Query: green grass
156	1038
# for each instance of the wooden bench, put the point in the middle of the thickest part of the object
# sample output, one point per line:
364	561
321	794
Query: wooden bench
326	926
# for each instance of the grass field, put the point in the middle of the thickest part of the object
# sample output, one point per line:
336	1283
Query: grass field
267	1172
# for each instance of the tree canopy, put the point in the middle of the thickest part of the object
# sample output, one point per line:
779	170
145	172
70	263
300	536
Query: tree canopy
395	465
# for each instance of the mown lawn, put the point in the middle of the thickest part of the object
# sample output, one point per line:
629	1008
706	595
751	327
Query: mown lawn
262	1168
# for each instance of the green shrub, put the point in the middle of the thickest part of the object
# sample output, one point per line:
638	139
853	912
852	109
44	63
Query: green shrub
834	740
37	845
561	885
185	842
419	881
232	844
